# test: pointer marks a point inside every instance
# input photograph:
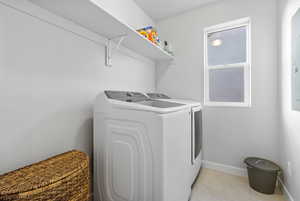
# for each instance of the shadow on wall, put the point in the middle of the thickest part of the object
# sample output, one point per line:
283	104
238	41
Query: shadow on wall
85	137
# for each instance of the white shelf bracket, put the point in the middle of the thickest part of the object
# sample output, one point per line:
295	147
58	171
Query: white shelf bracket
109	49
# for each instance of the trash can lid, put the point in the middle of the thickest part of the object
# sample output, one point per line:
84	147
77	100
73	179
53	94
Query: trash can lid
262	164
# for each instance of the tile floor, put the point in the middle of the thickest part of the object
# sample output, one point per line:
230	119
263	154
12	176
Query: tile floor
217	186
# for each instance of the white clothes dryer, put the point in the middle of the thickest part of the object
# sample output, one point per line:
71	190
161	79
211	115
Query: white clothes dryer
196	132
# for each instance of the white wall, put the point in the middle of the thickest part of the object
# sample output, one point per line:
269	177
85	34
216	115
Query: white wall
290	120
49	78
230	134
127	11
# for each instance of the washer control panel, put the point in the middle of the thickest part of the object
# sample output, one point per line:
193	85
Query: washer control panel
127	96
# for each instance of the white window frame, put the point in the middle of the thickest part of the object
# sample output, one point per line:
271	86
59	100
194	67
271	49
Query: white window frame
244	22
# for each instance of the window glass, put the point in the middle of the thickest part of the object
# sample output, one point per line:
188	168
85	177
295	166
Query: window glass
226	85
227	47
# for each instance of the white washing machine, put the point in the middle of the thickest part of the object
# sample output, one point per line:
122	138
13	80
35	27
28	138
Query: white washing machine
141	150
196	132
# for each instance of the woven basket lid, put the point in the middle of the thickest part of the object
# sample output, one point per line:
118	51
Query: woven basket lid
42	174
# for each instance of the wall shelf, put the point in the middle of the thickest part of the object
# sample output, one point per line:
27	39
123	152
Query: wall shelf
89	14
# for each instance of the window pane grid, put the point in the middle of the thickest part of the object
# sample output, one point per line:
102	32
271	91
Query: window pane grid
228	65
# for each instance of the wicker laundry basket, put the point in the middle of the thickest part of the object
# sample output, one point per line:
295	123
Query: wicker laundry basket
65	177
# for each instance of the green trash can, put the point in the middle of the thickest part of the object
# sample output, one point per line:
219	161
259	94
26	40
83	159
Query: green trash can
262	174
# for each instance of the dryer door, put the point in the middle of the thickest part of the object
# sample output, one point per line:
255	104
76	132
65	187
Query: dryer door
196	133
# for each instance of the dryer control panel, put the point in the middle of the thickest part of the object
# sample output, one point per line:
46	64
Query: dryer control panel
158	96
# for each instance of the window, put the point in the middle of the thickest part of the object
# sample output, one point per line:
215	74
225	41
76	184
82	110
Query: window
227	64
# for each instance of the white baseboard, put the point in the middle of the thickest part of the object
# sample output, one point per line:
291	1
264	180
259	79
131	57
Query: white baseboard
286	192
225	168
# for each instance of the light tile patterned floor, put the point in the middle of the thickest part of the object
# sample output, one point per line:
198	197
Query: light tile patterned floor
217	186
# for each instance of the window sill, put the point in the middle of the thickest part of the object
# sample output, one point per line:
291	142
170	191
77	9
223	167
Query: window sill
227	104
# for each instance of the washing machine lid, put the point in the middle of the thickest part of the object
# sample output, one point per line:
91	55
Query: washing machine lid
139	101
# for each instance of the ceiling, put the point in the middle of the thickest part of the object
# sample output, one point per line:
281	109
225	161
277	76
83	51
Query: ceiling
160	9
